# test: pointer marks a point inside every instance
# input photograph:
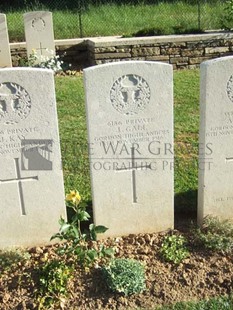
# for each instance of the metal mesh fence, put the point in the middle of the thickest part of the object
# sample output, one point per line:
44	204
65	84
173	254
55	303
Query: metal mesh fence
89	18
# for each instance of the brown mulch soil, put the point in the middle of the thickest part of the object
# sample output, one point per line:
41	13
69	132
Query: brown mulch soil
200	276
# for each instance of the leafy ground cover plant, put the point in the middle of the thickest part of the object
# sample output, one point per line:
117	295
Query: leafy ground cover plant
9	259
78	241
53	283
174	248
215	234
125	276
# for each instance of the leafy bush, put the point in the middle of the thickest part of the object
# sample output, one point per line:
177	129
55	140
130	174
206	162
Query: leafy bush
53	283
174	248
227	19
78	241
215	235
125	276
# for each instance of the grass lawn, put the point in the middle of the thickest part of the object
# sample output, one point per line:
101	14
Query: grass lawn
222	303
112	19
72	120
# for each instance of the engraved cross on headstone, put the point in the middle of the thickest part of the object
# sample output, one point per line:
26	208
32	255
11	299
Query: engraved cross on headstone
134	168
19	181
229	159
41	48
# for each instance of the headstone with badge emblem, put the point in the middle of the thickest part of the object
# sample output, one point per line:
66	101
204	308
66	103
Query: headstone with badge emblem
31	181
130	127
39	33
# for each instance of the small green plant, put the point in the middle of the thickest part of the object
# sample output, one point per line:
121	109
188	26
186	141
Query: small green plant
174	249
215	234
53	283
227	18
10	259
125	276
79	243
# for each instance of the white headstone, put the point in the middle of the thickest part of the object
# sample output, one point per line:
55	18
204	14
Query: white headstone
39	33
130	127
5	54
31	181
215	192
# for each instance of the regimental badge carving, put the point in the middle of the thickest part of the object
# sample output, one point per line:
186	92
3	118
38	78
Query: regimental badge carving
230	88
15	103
38	24
130	94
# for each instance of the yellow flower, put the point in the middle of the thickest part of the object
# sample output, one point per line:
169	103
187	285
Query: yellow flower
74	197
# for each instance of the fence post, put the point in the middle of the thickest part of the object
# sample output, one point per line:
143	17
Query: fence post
199	14
80	18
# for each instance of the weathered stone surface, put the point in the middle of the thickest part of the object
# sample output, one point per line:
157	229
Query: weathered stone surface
179	60
221	49
112	55
178	44
31	182
192	53
123	50
5	55
111	50
171	51
158	58
145	51
105	49
194	45
198	60
215	191
130	127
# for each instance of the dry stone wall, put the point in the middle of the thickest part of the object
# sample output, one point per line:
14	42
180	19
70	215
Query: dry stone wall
182	51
